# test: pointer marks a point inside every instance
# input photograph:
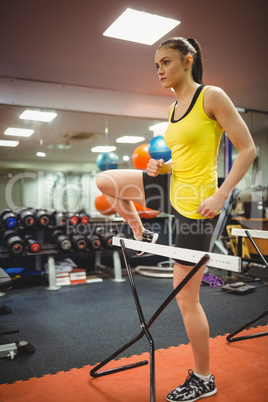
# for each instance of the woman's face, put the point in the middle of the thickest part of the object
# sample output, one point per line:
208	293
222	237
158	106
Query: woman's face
170	67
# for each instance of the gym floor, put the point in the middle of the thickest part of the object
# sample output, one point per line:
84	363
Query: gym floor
240	369
78	326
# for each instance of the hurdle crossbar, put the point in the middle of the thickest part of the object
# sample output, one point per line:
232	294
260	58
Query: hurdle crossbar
259	234
221	261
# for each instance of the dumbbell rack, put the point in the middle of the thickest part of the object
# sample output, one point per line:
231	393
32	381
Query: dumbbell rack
50	249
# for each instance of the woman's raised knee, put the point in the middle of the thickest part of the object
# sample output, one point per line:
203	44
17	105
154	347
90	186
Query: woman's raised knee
106	183
127	185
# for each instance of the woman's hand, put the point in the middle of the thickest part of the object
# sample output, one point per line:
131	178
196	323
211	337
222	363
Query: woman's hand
211	206
154	166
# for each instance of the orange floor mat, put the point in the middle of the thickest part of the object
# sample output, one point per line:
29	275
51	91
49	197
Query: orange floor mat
240	368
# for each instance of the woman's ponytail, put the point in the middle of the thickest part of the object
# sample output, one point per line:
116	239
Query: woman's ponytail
197	69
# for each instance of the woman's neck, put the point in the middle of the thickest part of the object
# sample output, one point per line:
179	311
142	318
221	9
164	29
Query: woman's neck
185	90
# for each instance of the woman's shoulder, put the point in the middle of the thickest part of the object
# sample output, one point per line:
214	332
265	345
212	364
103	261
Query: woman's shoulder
214	95
214	90
215	99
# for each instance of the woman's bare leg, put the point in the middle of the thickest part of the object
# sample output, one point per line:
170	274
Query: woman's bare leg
194	318
122	187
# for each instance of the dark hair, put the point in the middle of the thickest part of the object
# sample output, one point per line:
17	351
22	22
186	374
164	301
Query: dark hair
185	47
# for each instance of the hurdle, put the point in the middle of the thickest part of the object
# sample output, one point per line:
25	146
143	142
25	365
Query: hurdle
250	234
198	258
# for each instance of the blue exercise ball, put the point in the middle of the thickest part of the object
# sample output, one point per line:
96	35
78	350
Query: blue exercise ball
107	161
158	149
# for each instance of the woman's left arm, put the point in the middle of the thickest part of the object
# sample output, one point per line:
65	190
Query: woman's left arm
218	105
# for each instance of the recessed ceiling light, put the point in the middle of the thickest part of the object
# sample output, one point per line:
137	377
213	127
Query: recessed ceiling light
140	27
103	149
159	126
129	139
19	132
37	115
126	158
159	129
41	154
63	146
7	143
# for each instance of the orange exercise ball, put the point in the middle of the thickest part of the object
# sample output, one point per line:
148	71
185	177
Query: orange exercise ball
102	205
141	156
144	212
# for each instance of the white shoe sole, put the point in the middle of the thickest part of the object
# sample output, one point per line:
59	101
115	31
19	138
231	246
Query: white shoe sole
211	393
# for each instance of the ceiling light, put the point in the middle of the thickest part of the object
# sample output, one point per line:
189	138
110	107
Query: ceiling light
129	139
19	132
63	146
41	154
103	149
140	27
37	115
126	158
159	129
162	126
7	143
59	146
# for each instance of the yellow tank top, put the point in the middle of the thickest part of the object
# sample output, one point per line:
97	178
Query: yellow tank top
194	142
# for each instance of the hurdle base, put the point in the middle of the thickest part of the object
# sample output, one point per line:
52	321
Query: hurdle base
231	337
95	374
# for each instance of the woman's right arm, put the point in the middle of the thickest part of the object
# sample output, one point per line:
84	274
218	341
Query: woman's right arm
156	167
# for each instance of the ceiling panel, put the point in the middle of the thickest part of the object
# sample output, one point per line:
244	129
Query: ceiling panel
60	42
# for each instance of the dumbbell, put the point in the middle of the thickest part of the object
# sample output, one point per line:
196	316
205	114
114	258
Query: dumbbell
42	218
26	218
79	242
107	239
33	245
72	218
99	230
84	218
62	240
93	242
9	219
59	219
14	243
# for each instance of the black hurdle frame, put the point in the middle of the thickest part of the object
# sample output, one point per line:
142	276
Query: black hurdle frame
231	337
145	326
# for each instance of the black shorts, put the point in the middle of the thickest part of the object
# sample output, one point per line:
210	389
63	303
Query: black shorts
193	234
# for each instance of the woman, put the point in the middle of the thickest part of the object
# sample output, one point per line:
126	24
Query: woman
196	122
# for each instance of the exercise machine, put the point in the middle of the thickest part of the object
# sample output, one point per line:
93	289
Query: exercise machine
15	348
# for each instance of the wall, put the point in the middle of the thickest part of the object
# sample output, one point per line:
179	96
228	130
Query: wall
261	142
49	190
53	189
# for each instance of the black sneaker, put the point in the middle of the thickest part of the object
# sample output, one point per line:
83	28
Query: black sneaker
194	388
147	237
